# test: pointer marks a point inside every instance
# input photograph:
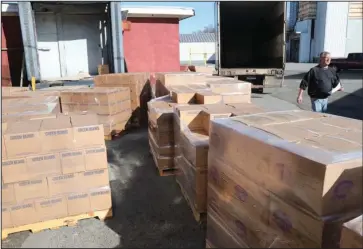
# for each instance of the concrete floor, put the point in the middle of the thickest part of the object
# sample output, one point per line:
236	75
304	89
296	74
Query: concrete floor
149	210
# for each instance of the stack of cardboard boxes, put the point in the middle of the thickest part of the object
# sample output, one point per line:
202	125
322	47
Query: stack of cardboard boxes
192	146
139	87
112	105
161	135
283	179
53	168
23	107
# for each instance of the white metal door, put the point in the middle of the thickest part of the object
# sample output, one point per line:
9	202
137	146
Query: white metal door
80	44
47	42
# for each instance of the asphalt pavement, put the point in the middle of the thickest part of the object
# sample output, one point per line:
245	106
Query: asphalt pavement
149	210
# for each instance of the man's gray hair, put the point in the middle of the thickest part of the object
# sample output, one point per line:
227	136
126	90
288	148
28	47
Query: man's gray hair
324	54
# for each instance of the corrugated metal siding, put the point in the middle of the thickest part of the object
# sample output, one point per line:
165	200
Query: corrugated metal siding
307	10
11	51
152	45
356	10
336	28
195	53
197	38
354	42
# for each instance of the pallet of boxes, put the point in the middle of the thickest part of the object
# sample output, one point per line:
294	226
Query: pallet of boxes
185	115
111	105
54	167
287	179
140	92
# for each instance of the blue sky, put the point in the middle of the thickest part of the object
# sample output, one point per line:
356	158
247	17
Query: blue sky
204	13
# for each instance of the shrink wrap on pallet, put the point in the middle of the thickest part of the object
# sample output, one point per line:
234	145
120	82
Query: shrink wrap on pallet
283	179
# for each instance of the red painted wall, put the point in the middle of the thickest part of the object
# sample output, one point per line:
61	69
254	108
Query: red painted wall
152	45
11	51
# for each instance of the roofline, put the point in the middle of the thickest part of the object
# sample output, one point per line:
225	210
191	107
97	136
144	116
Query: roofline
143	11
160	11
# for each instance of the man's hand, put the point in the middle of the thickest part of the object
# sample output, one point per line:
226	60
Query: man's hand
299	99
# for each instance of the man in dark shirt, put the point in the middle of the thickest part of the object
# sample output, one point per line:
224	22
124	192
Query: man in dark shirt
320	81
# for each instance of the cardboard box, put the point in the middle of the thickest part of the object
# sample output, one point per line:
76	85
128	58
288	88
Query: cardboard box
31	189
194	182
164	151
162	139
235	98
51	208
194	147
182	95
161	162
6	220
352	233
14	170
43	165
96	158
72	161
218	236
56	134
64	184
3	149
227	86
22	138
160	115
208	97
100	198
87	131
8	194
78	203
296	156
23	214
95	178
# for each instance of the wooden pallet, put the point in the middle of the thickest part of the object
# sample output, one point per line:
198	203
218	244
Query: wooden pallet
167	172
56	223
201	218
114	135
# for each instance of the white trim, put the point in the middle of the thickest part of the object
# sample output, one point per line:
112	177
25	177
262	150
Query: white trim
9	7
160	11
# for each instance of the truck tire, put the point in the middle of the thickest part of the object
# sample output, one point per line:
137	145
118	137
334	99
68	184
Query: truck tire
259	90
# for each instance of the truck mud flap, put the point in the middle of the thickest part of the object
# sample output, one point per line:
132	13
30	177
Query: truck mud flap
273	81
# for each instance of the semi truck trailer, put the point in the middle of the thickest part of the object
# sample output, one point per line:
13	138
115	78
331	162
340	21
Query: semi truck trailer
250	42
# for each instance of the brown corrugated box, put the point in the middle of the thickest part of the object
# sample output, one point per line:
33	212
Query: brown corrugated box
162	162
6	220
43	165
87	131
194	182
23	214
31	189
299	156
7	194
352	233
22	138
72	161
78	203
51	208
96	158
14	170
100	198
166	151
56	134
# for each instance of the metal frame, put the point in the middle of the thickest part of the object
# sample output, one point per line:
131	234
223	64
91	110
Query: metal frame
27	25
117	37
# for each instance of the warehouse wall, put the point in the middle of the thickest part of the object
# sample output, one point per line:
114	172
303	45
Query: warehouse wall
193	53
336	28
354	41
152	45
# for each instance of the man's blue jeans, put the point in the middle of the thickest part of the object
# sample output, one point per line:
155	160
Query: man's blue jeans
319	105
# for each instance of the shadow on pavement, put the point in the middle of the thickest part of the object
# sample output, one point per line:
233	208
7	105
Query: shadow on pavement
349	106
149	210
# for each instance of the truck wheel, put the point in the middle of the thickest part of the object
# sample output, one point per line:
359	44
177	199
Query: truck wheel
259	90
